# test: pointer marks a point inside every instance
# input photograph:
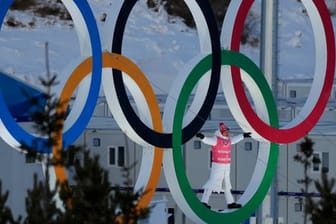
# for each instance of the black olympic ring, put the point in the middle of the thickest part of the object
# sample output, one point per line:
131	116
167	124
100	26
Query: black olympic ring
164	140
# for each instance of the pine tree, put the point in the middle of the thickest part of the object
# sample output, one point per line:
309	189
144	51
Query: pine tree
90	195
125	201
322	210
6	215
40	204
305	157
41	200
93	200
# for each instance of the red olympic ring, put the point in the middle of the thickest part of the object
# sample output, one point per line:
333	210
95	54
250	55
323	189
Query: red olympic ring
286	134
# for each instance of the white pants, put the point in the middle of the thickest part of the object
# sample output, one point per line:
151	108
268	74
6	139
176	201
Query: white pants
219	181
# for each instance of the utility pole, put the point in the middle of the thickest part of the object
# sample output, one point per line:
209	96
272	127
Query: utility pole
269	42
269	66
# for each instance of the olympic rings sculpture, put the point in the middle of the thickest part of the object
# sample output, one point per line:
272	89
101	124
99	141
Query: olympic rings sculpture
103	64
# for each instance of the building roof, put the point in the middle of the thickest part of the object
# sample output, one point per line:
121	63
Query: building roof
18	96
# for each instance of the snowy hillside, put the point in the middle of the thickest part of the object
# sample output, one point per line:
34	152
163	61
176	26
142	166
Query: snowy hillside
158	47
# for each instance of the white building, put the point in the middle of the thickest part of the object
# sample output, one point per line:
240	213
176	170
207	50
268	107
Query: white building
103	137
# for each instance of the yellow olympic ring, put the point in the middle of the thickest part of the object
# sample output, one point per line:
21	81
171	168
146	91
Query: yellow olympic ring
121	63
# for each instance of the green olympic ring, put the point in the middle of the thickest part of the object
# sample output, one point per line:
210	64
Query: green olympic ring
257	193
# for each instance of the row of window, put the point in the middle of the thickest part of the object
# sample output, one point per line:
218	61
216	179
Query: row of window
293	94
320	160
116	155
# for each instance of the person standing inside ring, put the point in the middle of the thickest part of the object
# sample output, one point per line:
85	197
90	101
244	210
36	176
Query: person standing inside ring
220	164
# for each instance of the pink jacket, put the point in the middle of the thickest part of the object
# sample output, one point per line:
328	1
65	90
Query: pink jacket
221	147
221	152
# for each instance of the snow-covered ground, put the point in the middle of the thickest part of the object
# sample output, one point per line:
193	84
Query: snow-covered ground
159	48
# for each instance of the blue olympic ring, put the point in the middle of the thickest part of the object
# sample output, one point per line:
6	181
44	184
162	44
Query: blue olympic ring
69	136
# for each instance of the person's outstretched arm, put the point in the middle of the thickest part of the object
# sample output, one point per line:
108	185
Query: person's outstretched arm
237	138
207	140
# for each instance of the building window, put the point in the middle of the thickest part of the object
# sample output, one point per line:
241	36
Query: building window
298	206
112	157
96	142
116	156
325	162
298	147
248	146
171	213
197	144
320	162
121	156
316	161
70	157
292	93
30	158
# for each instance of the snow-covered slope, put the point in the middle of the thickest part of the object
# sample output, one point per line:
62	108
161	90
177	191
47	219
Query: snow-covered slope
159	48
